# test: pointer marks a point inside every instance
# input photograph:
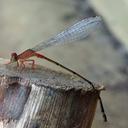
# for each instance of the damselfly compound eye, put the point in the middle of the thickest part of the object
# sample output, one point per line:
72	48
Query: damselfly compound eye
13	57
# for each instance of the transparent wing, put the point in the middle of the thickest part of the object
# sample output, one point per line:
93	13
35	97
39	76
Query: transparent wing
76	32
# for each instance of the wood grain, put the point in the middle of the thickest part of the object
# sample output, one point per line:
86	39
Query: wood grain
44	98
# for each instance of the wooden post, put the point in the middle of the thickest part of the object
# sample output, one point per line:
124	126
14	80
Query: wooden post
43	98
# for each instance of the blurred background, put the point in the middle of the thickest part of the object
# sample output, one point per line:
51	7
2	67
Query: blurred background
102	57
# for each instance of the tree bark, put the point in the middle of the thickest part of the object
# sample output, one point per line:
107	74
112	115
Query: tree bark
43	98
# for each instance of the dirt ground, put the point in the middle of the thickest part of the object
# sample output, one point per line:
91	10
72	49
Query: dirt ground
25	23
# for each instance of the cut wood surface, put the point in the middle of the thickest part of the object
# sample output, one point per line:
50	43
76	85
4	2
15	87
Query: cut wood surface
43	98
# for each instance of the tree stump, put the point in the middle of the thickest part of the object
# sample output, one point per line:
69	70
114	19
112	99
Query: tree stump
43	98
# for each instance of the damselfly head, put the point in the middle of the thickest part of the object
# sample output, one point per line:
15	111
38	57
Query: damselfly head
13	57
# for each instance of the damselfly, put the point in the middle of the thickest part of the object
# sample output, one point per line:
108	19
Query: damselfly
74	33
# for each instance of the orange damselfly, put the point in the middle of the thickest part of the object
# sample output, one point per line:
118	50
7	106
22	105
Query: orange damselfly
76	32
